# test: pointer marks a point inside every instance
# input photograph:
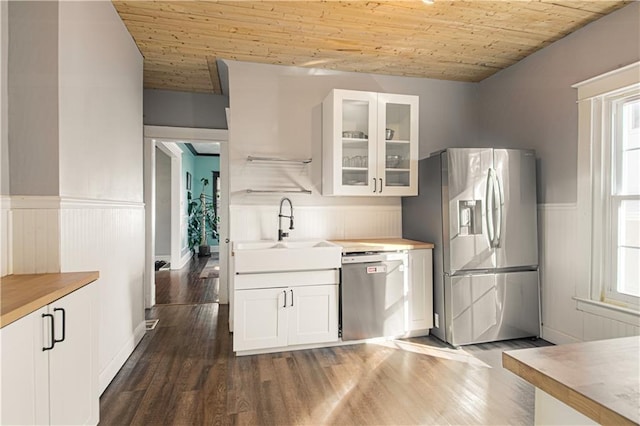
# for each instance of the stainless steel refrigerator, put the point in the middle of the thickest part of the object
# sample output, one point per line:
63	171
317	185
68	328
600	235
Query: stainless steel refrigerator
478	206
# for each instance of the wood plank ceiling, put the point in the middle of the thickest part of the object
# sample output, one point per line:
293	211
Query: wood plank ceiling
451	40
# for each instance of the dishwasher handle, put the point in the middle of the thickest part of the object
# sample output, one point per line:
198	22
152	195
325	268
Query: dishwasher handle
350	258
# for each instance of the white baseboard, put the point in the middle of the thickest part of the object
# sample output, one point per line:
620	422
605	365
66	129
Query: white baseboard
556	337
107	375
166	258
183	261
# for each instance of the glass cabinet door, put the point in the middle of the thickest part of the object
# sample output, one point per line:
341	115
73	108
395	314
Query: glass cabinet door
398	144
357	142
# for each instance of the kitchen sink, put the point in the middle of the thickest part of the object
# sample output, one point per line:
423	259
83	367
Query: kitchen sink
282	256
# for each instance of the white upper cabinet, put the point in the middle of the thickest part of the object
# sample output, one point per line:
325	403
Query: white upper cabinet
370	144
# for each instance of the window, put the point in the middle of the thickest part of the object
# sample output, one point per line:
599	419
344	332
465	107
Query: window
609	114
623	143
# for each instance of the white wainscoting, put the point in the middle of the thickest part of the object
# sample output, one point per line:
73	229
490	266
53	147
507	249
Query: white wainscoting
557	229
35	224
58	234
560	271
598	327
260	222
109	237
6	239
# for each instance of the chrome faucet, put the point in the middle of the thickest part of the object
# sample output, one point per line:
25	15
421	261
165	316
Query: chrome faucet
281	234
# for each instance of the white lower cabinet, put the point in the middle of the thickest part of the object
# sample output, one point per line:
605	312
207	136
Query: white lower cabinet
313	317
260	319
58	385
420	292
25	372
278	317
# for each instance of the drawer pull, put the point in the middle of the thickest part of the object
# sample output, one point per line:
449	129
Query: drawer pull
64	325
53	333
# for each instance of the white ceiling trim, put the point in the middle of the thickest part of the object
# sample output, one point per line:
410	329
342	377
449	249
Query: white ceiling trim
186	134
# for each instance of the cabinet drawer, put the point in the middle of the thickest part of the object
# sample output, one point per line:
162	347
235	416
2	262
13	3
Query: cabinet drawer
286	279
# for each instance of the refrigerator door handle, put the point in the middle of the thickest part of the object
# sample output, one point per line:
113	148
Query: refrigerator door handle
488	206
498	199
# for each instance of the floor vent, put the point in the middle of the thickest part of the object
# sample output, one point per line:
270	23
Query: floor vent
151	324
161	265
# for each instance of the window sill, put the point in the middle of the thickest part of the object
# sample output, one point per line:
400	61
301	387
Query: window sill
607	310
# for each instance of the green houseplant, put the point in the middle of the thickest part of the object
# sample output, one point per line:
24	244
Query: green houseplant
202	221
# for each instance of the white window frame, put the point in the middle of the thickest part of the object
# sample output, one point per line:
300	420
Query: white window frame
606	195
596	203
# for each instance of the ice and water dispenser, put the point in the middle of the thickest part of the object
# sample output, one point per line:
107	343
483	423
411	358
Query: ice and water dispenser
469	217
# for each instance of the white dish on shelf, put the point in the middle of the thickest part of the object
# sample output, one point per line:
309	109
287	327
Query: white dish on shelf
353	134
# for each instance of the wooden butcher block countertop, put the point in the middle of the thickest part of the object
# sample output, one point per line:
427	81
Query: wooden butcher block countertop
380	244
599	379
22	294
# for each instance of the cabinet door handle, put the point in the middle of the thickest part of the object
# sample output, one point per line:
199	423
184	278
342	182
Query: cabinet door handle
381	185
292	297
374	185
64	325
53	333
285	298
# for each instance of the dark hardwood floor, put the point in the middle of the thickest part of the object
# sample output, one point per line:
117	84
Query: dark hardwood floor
185	286
185	373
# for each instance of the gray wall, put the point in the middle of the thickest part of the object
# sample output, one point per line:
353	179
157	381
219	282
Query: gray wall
531	104
4	134
33	97
163	204
182	109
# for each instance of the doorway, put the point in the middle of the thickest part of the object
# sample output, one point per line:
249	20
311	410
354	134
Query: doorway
162	210
167	139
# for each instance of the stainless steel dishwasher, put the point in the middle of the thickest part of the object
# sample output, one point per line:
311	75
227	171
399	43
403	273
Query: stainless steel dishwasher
372	290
